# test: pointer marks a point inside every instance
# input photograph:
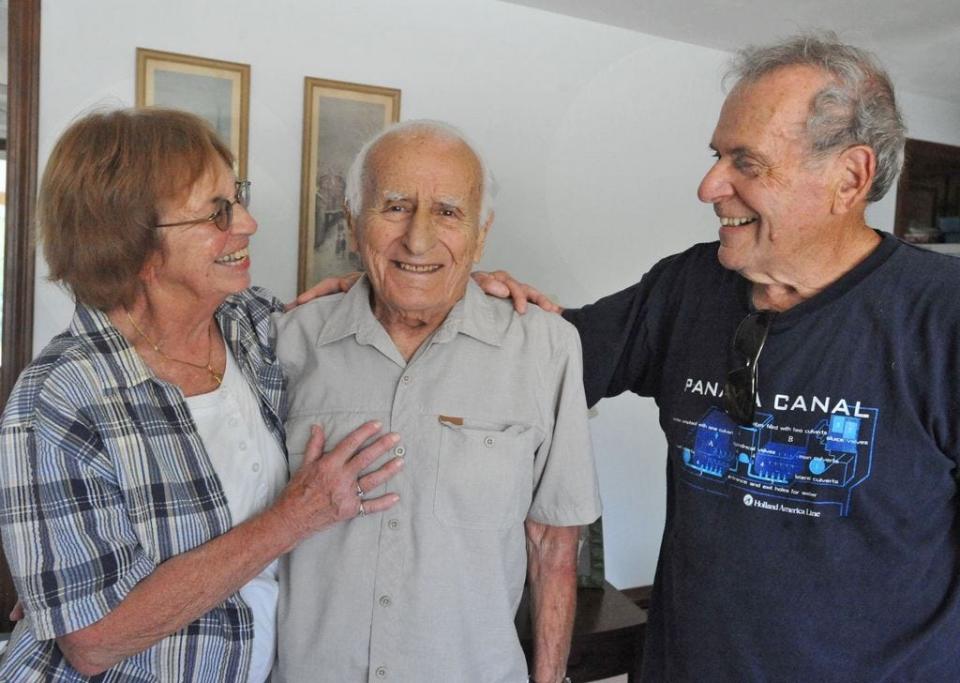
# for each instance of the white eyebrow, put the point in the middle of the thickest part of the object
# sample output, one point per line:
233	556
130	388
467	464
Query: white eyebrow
451	202
391	196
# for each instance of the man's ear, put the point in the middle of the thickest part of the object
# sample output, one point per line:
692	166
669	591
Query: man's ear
857	167
482	238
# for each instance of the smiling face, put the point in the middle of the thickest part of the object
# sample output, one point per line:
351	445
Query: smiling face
772	198
199	263
419	230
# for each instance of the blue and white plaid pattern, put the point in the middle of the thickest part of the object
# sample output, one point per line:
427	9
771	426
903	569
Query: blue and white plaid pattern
102	478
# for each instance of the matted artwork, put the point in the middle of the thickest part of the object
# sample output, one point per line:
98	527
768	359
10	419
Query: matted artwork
216	90
338	118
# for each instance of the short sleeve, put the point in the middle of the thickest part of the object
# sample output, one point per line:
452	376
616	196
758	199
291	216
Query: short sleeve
566	492
72	549
623	335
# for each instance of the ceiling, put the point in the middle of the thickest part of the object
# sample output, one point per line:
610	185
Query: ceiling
918	41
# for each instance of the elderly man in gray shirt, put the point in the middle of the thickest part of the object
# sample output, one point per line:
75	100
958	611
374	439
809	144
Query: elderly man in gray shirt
498	472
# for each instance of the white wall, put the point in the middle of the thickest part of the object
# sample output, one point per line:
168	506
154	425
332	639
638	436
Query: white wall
598	137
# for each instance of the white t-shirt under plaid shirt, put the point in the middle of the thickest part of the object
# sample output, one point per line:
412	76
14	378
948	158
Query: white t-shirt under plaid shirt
103	476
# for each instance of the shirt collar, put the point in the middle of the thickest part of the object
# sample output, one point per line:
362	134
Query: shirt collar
475	315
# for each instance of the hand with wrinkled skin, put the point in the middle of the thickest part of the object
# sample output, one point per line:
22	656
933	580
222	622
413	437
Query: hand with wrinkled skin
501	284
328	285
323	490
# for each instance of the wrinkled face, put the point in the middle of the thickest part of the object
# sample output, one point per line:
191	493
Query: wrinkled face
200	263
419	230
772	198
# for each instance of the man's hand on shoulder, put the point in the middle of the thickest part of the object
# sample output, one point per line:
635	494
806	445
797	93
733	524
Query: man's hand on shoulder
328	285
501	284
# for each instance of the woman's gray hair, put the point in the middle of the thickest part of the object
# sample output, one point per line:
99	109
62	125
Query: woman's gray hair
857	108
357	175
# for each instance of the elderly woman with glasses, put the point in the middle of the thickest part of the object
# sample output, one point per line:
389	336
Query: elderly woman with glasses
142	463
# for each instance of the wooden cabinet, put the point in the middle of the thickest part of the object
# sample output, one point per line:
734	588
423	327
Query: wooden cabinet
928	196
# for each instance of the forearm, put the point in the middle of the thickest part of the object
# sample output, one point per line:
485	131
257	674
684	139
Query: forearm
179	591
552	561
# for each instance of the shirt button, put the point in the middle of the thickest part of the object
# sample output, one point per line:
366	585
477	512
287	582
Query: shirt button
385	601
394	524
234	422
255	467
406	380
400	451
381	672
242	445
489	441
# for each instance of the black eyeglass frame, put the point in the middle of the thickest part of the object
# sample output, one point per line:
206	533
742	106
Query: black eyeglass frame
223	216
740	389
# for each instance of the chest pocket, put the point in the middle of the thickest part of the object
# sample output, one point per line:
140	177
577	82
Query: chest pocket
484	474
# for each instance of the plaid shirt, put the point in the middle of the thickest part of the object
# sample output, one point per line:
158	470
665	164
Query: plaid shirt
102	478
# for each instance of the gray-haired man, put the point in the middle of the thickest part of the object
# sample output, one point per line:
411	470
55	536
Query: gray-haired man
807	372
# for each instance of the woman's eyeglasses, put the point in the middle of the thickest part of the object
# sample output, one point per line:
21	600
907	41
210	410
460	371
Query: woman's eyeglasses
223	216
740	391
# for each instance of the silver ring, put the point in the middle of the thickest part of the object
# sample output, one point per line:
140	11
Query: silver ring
362	511
359	490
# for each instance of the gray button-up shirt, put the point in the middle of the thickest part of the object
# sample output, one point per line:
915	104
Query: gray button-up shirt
493	423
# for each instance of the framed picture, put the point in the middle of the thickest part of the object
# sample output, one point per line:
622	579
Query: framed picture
215	90
338	118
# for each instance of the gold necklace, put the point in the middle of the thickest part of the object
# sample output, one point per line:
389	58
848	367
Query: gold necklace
208	367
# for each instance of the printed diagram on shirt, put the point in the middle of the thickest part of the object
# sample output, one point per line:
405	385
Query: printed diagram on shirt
804	462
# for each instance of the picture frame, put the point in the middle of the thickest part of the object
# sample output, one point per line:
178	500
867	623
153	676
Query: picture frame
338	118
213	89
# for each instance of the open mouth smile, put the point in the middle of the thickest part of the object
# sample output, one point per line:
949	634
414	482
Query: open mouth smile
414	268
234	257
732	222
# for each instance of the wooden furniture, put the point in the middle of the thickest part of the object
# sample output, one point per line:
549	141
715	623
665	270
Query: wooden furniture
607	635
23	92
928	196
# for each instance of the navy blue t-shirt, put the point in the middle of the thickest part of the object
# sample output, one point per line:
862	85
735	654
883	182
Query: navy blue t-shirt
820	544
